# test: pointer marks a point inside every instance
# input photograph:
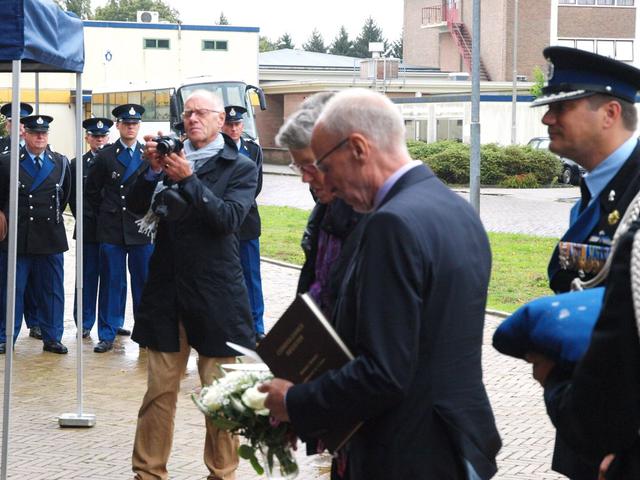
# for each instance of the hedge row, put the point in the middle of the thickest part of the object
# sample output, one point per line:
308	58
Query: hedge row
512	166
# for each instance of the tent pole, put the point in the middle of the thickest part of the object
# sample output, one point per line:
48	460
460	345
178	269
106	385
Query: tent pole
11	263
37	112
78	419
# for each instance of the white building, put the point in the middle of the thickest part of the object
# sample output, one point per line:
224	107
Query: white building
128	62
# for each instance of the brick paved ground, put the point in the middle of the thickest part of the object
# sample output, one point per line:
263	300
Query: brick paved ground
44	386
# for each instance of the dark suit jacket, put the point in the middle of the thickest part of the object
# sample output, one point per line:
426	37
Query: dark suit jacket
598	411
251	227
90	217
107	188
411	309
195	273
42	198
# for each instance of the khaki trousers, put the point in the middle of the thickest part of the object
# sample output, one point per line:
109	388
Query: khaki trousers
154	432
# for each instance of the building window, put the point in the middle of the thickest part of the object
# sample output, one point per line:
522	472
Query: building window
156	43
449	129
586	45
624	51
619	49
604	3
215	45
607	48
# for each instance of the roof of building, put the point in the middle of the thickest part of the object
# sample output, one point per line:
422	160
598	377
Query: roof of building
302	59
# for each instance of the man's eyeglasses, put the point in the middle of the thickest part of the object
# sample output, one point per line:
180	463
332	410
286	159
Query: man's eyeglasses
319	161
309	168
200	112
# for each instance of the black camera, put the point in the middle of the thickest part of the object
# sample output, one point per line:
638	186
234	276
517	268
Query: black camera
166	145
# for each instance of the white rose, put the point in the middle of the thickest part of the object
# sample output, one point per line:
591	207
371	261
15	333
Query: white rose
254	399
210	399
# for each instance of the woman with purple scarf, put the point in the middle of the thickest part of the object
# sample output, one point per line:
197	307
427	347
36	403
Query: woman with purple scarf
327	241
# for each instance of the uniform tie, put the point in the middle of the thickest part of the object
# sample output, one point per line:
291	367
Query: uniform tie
585	195
130	152
37	163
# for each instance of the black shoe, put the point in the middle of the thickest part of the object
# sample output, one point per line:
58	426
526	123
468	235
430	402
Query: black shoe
35	332
103	346
3	348
54	347
124	332
86	332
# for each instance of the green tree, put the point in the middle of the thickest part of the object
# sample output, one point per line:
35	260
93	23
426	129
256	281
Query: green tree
222	20
396	48
315	43
285	41
341	44
538	82
266	45
370	33
125	10
82	8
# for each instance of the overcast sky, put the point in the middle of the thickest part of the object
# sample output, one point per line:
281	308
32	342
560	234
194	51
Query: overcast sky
296	17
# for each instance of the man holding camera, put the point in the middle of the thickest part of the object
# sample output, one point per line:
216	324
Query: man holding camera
108	183
195	294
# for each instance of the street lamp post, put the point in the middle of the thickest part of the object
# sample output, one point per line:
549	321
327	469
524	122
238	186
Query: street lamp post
514	80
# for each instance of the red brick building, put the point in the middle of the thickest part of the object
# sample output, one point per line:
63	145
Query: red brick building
437	33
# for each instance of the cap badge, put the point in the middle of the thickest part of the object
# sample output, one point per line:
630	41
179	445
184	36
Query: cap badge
39	121
132	111
550	70
232	112
614	217
612	195
100	124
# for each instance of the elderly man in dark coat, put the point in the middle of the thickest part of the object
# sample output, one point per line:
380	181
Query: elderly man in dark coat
195	294
410	308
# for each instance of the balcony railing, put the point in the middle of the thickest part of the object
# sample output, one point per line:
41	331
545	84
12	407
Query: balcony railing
440	14
432	15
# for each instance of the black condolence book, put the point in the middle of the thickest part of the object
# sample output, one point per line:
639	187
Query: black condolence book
303	345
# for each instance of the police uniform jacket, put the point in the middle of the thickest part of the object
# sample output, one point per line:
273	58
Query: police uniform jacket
597	412
42	198
250	229
5	144
108	184
195	275
614	200
90	218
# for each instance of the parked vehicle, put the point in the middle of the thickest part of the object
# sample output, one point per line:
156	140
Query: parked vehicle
571	171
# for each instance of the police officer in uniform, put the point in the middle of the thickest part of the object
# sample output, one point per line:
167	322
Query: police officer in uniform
108	183
97	136
44	188
250	230
30	306
591	119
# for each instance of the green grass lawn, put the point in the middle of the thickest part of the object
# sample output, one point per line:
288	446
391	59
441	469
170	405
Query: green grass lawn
519	261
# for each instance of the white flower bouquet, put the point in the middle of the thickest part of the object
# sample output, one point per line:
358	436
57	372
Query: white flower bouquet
233	403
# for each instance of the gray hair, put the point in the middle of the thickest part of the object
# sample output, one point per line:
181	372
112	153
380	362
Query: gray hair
218	104
358	110
295	134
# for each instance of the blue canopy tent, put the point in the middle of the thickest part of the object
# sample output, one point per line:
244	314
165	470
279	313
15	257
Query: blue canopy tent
37	36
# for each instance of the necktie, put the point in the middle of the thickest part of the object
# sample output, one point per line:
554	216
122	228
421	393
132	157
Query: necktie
130	152
585	195
36	163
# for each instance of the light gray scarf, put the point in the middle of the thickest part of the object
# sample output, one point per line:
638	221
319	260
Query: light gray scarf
148	225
